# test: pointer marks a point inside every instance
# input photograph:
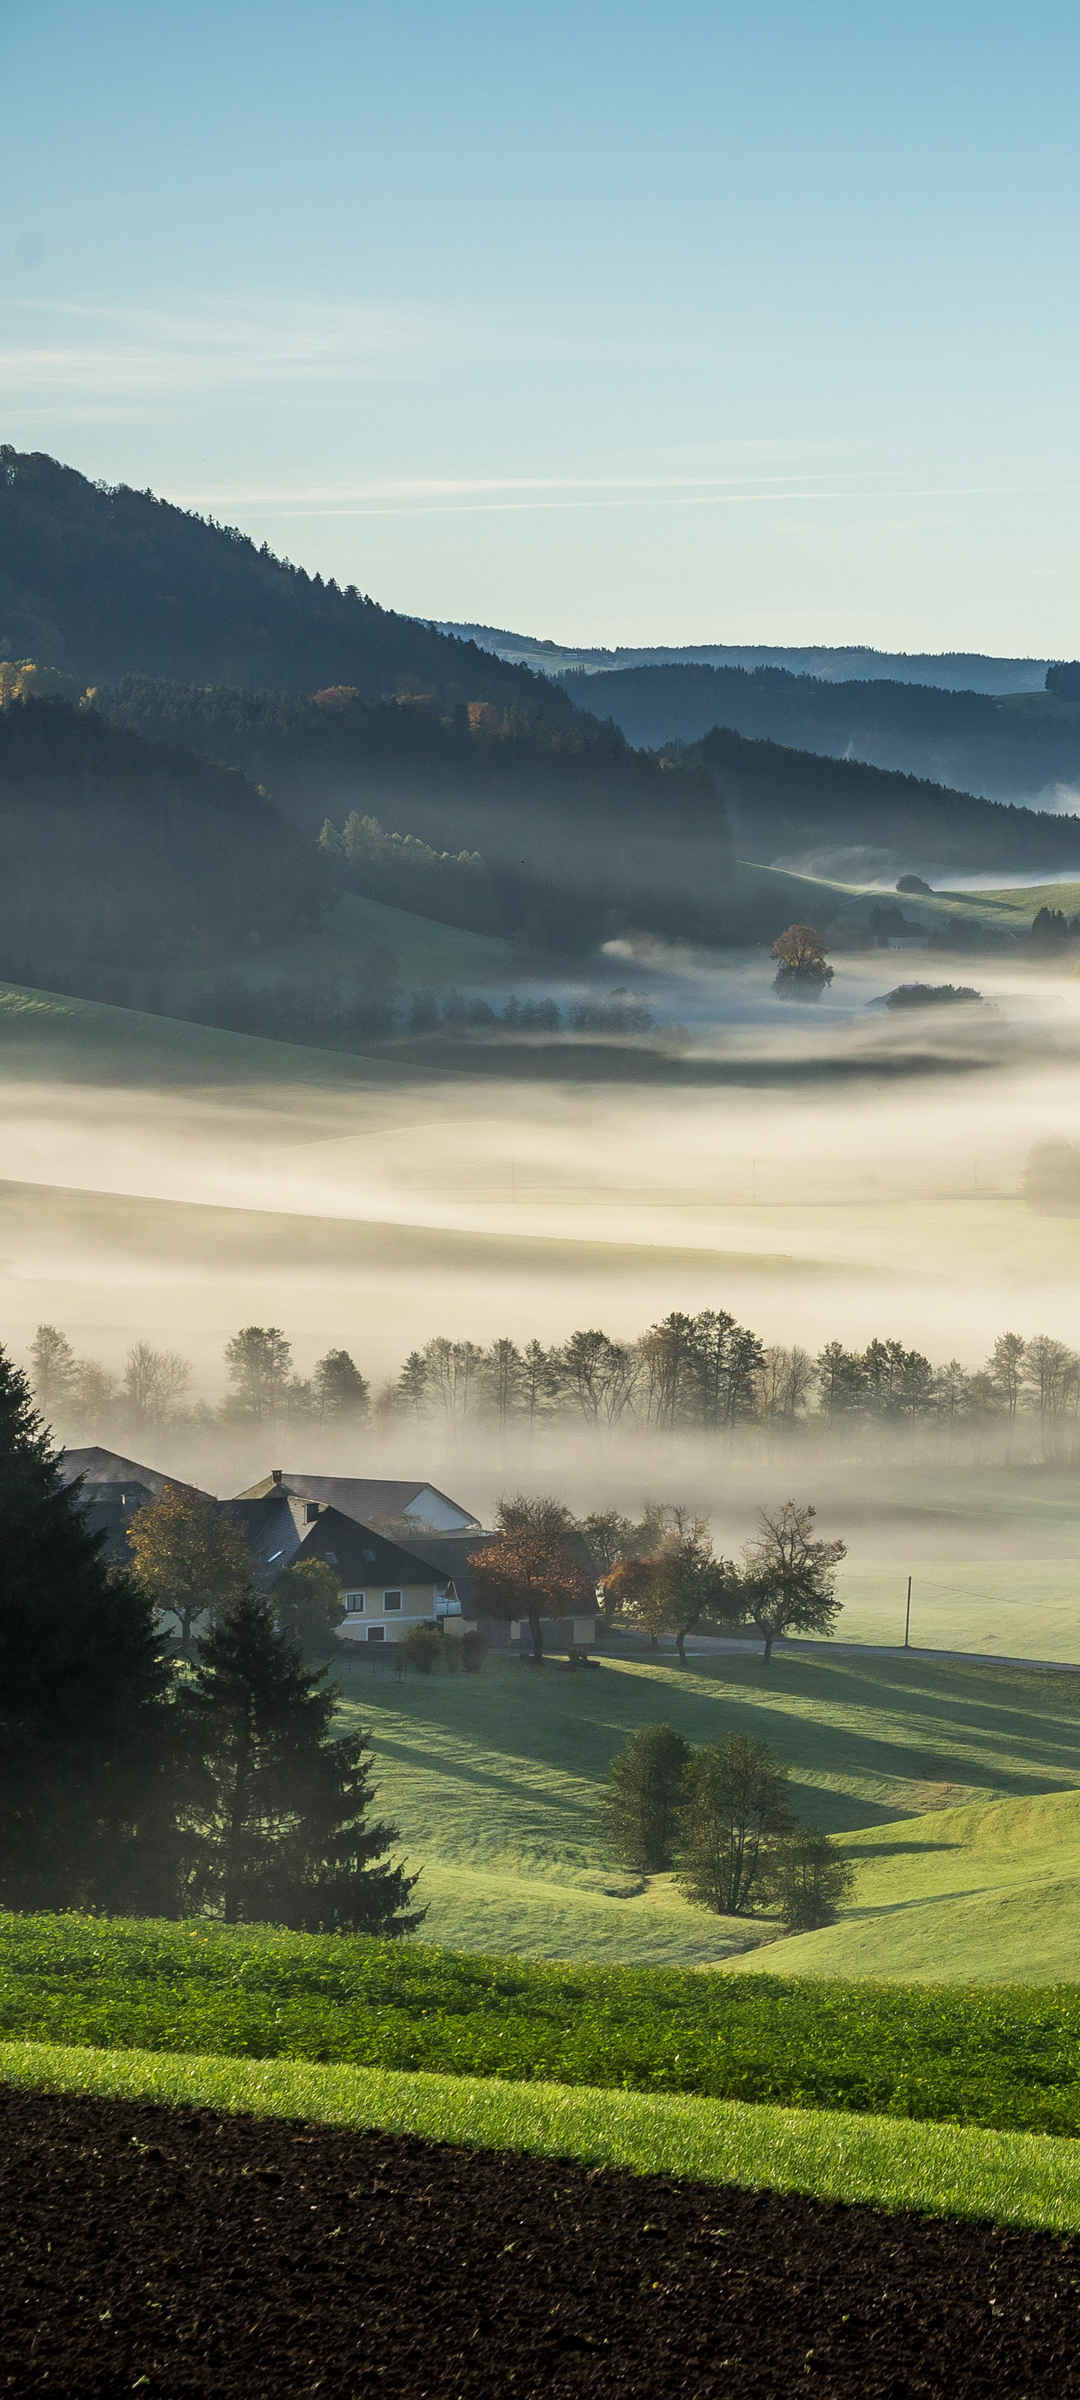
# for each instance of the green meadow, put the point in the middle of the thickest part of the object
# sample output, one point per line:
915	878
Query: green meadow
494	1779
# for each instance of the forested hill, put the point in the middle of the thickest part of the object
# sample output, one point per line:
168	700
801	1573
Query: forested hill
1007	749
104	581
117	852
950	670
581	833
792	807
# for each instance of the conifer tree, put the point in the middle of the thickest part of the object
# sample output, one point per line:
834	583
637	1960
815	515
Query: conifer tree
639	1813
278	1818
85	1732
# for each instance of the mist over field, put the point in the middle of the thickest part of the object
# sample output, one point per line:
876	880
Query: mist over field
825	1172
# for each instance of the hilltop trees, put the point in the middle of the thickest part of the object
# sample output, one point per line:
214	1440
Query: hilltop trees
339	1391
53	1369
84	1725
258	1359
277	1825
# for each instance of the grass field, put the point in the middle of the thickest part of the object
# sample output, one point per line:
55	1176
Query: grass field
769	891
1003	2057
943	2170
1016	1607
983	1894
494	1780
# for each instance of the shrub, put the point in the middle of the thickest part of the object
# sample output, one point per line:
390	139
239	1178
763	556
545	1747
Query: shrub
807	1879
421	1648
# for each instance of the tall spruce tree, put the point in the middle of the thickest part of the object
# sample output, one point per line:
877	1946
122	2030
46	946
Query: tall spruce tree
278	1819
85	1730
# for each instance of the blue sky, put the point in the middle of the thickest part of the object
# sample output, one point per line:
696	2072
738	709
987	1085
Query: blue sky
611	323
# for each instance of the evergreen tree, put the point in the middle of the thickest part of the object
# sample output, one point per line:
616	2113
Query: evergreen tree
278	1819
85	1730
338	1388
639	1813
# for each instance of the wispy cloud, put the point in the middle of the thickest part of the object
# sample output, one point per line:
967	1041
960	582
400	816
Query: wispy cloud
122	355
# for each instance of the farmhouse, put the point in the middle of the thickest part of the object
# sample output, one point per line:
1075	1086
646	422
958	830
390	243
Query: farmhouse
385	1588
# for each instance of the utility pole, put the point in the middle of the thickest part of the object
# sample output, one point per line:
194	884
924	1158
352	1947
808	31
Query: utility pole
907	1617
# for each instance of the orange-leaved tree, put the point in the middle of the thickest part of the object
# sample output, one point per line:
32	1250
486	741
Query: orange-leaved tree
535	1570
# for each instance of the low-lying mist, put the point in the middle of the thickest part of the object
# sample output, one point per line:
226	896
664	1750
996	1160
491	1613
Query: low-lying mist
828	1173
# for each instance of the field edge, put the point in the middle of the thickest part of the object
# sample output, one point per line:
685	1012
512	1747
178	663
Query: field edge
937	2170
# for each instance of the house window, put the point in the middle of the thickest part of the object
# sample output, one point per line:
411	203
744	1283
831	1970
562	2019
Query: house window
391	1603
376	1633
311	1511
354	1603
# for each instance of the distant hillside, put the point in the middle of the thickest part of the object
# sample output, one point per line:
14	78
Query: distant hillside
951	670
579	833
1008	749
790	807
115	852
105	581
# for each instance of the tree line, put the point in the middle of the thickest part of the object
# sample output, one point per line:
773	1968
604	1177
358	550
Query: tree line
701	1373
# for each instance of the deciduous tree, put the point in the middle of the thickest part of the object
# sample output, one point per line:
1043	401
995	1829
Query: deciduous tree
789	1580
190	1559
735	1806
535	1571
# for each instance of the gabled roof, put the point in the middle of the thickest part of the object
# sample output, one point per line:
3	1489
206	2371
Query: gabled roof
372	1500
96	1465
360	1554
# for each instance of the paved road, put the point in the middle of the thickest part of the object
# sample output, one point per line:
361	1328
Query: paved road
716	1644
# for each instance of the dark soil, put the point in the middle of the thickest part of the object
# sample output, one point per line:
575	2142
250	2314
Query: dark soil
159	2252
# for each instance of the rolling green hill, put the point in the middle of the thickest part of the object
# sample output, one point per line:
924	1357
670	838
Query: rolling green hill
983	1894
495	1782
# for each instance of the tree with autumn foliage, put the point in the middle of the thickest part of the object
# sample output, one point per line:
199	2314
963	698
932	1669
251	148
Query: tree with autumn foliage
535	1570
802	970
682	1583
190	1559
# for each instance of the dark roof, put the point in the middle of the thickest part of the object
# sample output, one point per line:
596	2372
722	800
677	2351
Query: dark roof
372	1500
360	1554
109	1509
266	1525
449	1554
107	1466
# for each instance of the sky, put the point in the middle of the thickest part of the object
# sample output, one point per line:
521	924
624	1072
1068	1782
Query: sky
611	323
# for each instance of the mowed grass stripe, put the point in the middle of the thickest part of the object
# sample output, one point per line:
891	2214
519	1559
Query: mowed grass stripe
938	2170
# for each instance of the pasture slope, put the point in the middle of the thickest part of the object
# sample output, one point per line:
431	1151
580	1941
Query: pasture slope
494	1781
